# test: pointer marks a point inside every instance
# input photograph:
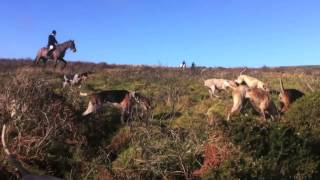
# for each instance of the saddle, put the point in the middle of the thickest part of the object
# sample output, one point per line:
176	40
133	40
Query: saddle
49	53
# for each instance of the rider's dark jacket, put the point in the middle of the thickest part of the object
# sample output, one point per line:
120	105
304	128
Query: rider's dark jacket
52	40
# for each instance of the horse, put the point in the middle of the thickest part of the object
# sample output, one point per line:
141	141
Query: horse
57	54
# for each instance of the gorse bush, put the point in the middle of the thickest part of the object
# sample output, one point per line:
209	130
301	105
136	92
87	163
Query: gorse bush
304	115
185	135
267	151
159	152
42	119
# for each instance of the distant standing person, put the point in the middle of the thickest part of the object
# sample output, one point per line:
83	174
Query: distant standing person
193	65
52	43
193	68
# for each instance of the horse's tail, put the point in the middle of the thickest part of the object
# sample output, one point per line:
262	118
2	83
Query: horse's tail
37	59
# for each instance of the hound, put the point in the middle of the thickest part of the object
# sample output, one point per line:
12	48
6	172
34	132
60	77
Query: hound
77	79
216	84
287	97
251	81
121	99
26	175
262	101
238	97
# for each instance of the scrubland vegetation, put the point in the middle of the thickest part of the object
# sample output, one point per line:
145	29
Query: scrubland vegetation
185	136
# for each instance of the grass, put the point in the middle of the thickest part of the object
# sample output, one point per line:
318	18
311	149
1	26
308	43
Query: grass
186	135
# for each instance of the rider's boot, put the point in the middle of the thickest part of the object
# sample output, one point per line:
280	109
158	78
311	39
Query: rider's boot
49	54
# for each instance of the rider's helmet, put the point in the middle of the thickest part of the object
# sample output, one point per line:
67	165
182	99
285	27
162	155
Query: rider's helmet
54	32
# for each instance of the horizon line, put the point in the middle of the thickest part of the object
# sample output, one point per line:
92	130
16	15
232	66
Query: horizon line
162	65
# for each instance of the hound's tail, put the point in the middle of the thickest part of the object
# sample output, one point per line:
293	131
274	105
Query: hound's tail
11	157
281	85
245	69
65	78
84	94
6	150
202	73
308	85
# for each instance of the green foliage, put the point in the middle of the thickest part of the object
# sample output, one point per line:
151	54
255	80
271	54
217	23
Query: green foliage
169	143
267	151
304	115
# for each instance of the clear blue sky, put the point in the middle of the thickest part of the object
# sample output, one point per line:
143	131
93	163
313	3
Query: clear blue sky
210	32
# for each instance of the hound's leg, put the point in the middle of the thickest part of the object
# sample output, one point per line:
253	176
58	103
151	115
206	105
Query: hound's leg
237	106
214	92
91	108
210	92
234	110
263	116
123	113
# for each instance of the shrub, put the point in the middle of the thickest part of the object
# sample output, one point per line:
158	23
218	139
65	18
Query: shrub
304	115
267	151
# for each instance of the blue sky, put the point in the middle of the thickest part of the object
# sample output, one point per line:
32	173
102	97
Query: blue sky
209	32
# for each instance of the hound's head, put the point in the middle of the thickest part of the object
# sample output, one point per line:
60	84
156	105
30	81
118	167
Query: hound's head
231	84
240	79
249	93
263	87
207	83
141	100
66	81
84	76
283	96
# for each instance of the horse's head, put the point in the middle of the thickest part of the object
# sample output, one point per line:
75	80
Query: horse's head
73	46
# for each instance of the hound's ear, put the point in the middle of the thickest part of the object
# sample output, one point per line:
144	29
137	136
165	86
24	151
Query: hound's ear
133	93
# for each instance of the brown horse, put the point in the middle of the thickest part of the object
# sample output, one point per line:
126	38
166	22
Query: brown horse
57	54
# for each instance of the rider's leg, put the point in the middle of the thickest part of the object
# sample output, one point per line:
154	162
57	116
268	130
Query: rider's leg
51	49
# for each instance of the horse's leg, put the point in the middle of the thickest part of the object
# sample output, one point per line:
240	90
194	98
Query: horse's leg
65	63
55	63
44	61
36	60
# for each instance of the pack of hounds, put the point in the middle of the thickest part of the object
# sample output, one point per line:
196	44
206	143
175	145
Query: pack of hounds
244	88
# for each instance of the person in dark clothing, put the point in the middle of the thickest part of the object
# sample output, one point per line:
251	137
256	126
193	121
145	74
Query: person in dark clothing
52	43
193	68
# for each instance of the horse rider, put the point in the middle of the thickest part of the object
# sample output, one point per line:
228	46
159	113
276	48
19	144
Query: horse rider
52	43
183	65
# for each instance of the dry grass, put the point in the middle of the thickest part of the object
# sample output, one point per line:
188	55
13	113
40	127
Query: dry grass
181	137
